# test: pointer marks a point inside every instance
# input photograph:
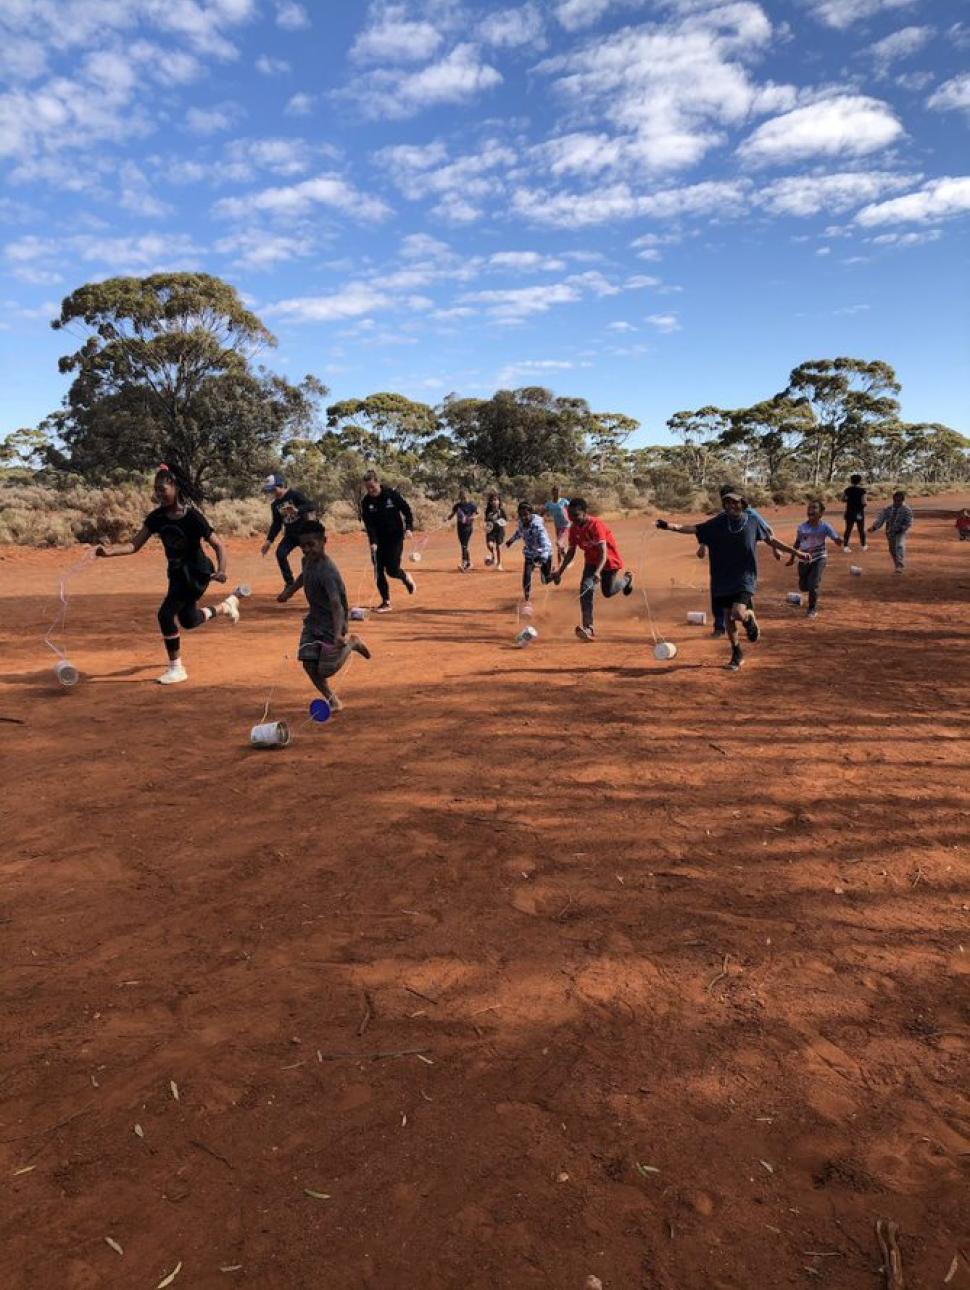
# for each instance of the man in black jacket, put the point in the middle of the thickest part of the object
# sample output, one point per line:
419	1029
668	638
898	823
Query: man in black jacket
290	507
388	520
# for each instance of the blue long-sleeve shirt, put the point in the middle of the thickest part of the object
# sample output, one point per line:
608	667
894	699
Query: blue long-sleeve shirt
538	545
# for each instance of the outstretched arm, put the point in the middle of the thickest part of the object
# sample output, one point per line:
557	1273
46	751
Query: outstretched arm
793	551
677	528
109	551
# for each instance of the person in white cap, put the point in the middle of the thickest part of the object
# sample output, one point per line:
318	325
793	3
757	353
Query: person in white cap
289	507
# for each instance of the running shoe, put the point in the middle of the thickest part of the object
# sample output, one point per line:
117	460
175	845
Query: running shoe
847	548
736	663
173	674
411	584
719	631
358	646
628	585
383	609
230	607
586	634
812	613
752	629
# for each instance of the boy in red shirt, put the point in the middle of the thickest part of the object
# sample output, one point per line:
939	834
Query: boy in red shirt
603	563
963	525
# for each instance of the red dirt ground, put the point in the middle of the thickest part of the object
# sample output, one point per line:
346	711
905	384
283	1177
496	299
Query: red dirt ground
687	954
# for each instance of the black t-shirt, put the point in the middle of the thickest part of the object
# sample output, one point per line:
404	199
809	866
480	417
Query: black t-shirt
855	499
465	513
182	539
386	516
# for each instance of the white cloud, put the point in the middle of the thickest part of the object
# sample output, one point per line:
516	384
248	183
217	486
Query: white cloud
668	90
456	78
620	326
664	322
461	185
139	195
900	44
843	13
212	120
525	261
421	246
278	155
291	16
300	105
512	374
147	253
577	14
456	209
618	201
512	28
299	199
914	81
352	301
519	303
258	249
907	239
939	199
846	125
393	37
846	190
952	95
267	66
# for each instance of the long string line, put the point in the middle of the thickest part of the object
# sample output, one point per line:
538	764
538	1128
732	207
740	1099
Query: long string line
60	618
658	637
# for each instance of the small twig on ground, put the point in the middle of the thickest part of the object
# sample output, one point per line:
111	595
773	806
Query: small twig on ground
892	1260
194	1142
917	877
717	748
365	1019
371	1057
565	909
492	1007
720	976
426	997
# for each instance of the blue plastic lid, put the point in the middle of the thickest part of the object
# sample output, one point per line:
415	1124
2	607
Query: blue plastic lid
320	710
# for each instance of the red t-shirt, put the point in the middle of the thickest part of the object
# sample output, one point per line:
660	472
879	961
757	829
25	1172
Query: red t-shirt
963	523
588	539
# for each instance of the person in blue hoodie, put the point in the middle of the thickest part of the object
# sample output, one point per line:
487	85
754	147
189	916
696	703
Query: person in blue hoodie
537	547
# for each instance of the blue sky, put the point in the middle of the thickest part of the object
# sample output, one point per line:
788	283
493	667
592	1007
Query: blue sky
652	205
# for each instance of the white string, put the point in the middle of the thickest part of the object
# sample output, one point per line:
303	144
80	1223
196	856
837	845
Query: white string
60	618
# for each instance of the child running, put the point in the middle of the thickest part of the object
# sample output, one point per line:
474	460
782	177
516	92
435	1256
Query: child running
464	511
855	511
537	548
557	508
495	524
603	563
731	539
898	519
811	539
963	525
182	528
325	645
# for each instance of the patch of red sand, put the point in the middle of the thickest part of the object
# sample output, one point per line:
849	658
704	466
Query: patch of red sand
540	964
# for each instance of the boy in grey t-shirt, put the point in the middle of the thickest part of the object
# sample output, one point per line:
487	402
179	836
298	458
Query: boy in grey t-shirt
325	645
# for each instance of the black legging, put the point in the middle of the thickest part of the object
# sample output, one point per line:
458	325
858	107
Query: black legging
545	568
387	563
855	519
181	607
464	538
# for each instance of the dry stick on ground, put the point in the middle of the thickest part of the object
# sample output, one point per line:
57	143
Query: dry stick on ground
426	997
720	976
194	1142
370	1057
892	1261
368	1013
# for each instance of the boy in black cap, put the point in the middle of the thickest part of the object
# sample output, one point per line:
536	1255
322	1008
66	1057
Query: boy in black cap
289	507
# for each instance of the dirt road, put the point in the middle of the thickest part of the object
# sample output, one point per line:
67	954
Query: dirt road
531	966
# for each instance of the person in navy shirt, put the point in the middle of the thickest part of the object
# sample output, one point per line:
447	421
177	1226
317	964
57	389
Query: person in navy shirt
464	511
732	541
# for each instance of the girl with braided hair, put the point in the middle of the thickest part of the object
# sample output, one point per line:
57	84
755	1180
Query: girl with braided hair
182	528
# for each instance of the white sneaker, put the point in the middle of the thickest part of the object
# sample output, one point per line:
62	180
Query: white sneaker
847	548
174	673
230	607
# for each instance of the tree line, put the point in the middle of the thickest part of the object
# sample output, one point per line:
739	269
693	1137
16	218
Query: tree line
167	368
